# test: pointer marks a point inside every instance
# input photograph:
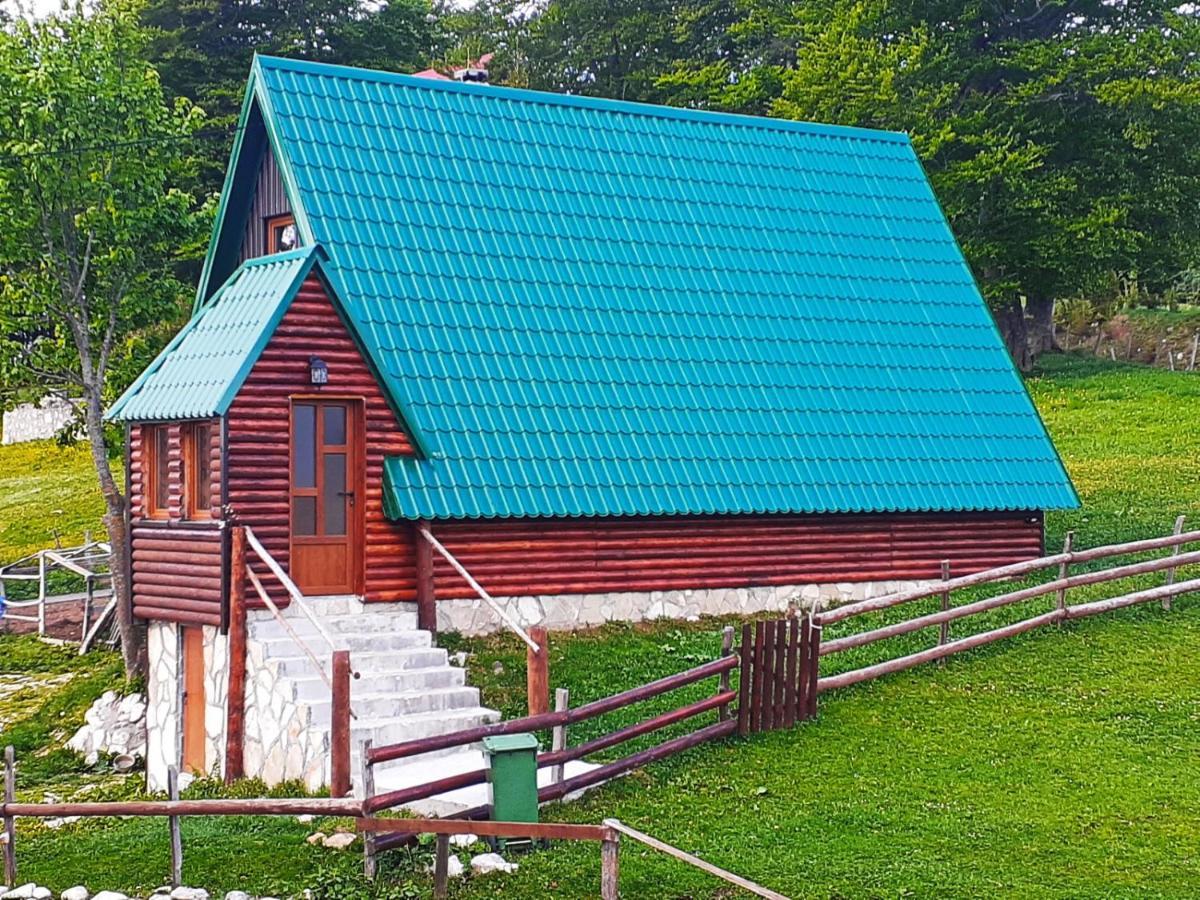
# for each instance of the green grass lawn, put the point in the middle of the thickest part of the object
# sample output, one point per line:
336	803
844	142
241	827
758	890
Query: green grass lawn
1057	764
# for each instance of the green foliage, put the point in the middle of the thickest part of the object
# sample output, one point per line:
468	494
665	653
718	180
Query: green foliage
91	223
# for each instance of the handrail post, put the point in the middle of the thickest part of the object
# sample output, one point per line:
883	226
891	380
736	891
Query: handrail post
441	867
1166	603
339	726
235	714
537	671
426	596
558	740
723	681
1063	569
10	822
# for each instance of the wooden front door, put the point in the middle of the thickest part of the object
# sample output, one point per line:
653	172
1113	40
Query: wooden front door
193	700
325	488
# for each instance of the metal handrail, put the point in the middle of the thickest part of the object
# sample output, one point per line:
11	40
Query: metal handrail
290	586
478	588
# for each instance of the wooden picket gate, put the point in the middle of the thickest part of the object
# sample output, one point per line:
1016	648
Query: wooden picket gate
778	678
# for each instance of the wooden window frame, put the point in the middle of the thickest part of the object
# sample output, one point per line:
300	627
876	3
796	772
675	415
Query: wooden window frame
197	503
150	476
273	224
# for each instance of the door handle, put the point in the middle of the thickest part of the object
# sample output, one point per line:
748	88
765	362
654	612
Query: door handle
349	494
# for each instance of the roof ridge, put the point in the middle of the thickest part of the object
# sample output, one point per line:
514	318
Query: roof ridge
549	98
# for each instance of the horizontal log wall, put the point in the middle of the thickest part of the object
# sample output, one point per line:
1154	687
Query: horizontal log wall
177	564
178	572
590	556
260	443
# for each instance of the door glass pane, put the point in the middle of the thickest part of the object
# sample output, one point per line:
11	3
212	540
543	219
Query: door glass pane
335	488
335	425
304	515
304	446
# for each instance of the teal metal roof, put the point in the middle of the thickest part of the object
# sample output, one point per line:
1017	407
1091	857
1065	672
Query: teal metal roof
602	308
200	372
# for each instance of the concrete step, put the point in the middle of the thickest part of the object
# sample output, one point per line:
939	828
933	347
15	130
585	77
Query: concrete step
282	646
382	705
311	688
355	623
394	730
298	665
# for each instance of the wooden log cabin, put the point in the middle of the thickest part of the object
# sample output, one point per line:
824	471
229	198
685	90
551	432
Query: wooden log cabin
621	361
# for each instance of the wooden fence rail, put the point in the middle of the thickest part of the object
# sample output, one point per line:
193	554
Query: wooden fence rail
1058	587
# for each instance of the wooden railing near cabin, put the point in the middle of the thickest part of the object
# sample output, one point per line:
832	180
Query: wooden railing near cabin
1058	586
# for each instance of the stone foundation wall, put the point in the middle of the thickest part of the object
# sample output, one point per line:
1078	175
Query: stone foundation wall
571	611
283	740
163	712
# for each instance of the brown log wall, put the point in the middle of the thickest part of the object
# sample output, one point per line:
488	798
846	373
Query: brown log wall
177	564
259	443
545	557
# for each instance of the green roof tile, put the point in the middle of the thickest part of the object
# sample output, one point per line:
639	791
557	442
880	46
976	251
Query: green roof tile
602	308
199	373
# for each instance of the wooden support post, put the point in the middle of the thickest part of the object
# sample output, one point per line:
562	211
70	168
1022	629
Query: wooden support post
1166	602
10	822
814	663
744	673
723	681
426	596
235	712
41	594
944	630
558	741
176	834
441	867
538	672
1195	347
339	728
89	595
1063	569
610	867
368	787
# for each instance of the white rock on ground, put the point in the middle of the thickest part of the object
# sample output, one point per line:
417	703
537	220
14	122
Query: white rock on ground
237	895
454	867
189	893
463	840
317	837
486	863
79	892
28	891
339	841
112	725
110	895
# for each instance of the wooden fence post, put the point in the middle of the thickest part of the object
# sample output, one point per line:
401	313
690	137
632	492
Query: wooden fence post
1166	603
944	629
558	740
368	787
10	823
339	728
1063	568
745	671
441	867
426	595
537	680
176	834
610	866
814	663
723	682
235	713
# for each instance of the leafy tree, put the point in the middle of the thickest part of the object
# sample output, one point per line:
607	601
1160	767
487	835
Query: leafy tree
91	227
203	48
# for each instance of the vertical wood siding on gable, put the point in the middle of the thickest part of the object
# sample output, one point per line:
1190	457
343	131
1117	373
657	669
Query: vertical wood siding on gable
178	565
270	199
260	443
542	557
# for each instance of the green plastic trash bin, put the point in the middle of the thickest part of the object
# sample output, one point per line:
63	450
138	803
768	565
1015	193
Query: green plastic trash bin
512	778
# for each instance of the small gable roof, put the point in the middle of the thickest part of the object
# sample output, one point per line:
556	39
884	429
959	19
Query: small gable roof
200	372
594	307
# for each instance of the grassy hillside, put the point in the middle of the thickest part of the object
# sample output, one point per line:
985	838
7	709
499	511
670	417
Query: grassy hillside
46	493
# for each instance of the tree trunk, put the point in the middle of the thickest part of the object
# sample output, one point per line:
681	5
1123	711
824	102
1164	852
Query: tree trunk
1041	335
1010	319
115	505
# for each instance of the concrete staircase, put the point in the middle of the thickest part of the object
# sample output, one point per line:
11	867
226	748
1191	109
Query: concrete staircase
407	687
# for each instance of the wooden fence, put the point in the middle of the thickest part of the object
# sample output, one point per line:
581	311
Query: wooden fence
1058	586
778	678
